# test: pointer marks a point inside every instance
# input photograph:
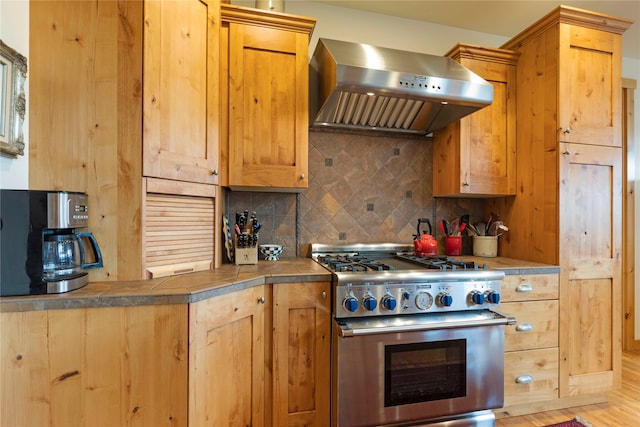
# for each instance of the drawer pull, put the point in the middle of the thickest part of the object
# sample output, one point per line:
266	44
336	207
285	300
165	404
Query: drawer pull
522	327
524	379
524	287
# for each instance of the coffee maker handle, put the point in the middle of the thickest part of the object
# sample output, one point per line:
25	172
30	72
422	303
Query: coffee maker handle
94	246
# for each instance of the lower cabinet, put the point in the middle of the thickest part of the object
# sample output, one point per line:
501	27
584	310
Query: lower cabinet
301	354
261	356
226	360
110	366
531	357
255	357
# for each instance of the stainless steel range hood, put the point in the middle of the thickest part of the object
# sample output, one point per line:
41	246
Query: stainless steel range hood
373	88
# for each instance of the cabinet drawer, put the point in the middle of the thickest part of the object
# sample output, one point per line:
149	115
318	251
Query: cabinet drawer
536	325
530	376
529	287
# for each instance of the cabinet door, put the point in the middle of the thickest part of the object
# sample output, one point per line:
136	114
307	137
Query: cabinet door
268	107
590	87
180	90
226	360
109	366
475	156
301	354
590	278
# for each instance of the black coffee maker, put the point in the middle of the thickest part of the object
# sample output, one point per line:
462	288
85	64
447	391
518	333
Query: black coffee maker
41	249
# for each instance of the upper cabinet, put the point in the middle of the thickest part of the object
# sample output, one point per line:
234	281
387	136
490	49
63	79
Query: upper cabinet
180	90
264	84
127	111
475	156
589	86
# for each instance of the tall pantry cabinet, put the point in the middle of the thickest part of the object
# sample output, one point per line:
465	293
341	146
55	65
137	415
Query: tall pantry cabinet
567	209
124	107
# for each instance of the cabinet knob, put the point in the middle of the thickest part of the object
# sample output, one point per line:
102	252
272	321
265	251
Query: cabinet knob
567	152
524	326
213	172
302	176
261	300
524	379
524	287
324	295
465	184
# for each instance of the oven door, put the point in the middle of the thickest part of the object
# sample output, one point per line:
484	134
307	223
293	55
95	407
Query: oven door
404	369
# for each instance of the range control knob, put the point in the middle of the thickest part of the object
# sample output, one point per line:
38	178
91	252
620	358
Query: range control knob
350	304
388	302
477	297
445	299
493	297
369	302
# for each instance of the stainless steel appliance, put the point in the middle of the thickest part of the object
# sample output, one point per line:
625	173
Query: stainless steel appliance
366	87
416	340
42	249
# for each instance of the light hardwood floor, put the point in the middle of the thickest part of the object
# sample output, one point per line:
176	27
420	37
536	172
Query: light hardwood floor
622	410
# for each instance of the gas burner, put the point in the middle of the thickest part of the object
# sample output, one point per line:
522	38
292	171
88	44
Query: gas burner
440	262
352	262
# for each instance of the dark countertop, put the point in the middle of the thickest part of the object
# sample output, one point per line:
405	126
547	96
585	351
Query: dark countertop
193	287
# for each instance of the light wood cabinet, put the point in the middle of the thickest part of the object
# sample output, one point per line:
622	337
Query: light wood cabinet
567	210
264	83
476	155
531	344
227	360
301	354
180	90
261	356
133	99
112	366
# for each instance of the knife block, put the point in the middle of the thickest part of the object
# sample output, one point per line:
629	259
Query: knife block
244	256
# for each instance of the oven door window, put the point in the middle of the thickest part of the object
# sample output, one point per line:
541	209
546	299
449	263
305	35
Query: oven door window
424	372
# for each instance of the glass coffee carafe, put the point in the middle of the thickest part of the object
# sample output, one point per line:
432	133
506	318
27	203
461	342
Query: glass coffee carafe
65	254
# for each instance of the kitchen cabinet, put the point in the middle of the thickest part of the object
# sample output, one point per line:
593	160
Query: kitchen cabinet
261	356
131	116
107	366
227	359
568	209
476	155
531	345
264	87
301	354
180	90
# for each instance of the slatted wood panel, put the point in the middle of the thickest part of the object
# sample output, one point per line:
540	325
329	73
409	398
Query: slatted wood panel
179	234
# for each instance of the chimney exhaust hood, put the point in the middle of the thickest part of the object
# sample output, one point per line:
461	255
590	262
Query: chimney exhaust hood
363	87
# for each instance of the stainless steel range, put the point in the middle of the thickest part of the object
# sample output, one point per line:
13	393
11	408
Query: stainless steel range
416	340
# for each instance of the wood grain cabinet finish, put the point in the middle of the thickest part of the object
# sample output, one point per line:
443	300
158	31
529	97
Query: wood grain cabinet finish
261	357
531	344
568	201
301	354
227	360
264	83
134	99
475	156
111	366
180	90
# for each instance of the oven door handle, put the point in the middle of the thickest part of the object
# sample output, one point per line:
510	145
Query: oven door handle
362	327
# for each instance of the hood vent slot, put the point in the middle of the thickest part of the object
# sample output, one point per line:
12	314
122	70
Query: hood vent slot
370	88
376	111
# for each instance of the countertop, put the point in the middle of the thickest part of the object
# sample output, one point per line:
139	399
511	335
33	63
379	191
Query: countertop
193	287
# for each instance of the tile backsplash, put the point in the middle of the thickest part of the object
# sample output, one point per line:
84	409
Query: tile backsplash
362	189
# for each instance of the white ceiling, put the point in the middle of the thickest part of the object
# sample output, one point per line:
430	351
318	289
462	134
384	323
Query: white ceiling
503	18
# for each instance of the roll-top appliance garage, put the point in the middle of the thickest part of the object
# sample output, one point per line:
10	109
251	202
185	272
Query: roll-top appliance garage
364	87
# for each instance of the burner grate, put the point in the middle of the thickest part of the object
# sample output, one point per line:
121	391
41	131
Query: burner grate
440	262
353	262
